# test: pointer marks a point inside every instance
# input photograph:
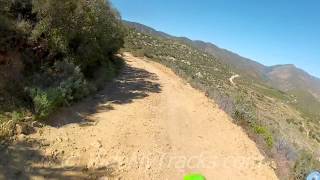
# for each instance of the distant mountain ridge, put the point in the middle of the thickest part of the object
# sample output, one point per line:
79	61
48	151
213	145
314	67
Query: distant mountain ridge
224	55
148	30
290	78
286	78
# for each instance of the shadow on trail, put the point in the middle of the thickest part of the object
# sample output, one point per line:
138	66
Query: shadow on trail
133	83
22	160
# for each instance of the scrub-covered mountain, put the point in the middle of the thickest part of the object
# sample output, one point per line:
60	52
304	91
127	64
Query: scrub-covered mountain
287	78
295	81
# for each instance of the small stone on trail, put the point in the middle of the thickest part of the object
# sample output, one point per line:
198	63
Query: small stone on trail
19	129
273	165
21	137
59	139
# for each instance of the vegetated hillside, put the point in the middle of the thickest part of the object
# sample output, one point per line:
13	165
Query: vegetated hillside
297	82
268	114
53	53
246	66
230	58
287	78
148	30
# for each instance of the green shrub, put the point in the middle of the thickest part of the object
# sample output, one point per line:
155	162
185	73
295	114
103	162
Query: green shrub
265	133
72	83
60	85
245	115
46	101
52	49
89	31
17	116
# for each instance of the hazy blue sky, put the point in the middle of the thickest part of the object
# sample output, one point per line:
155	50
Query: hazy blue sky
268	31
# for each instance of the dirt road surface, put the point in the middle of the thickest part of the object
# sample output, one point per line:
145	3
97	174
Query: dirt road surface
148	124
232	79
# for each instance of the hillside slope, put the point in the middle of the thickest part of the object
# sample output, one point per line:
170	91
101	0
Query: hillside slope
224	55
274	118
293	80
298	82
148	124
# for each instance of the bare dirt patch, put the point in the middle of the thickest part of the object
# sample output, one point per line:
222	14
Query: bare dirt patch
147	124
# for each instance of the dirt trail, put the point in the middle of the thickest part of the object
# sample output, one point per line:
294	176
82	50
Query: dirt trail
148	124
232	78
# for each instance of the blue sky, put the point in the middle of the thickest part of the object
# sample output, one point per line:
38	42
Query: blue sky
268	31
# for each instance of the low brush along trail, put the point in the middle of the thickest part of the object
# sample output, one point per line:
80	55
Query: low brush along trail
147	124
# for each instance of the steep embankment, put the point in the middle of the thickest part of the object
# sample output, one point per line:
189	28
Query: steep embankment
148	124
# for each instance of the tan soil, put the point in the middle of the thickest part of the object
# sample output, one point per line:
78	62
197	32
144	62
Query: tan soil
148	124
